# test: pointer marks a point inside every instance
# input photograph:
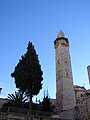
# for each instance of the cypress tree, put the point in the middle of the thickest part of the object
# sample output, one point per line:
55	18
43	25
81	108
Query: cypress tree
28	73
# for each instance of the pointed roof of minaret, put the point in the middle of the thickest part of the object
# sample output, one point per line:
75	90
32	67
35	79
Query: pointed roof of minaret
60	34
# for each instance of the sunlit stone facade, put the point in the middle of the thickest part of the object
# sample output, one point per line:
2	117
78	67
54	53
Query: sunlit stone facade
65	95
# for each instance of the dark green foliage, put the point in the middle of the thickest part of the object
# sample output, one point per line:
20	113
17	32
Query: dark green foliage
46	105
18	100
28	74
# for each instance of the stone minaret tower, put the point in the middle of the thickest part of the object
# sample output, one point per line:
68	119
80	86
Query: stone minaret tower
65	95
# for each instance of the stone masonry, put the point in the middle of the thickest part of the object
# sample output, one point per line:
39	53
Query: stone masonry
65	95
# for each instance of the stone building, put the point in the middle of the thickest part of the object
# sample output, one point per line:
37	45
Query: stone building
72	101
79	93
65	95
82	103
2	101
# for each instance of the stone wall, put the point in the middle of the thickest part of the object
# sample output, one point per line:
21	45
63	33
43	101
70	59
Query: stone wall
83	109
23	114
18	116
2	101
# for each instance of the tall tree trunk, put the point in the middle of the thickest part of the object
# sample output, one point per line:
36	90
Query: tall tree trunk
30	103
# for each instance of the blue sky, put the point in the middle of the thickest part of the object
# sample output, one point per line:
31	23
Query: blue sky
39	21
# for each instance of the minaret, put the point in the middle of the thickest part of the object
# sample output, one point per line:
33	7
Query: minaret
65	95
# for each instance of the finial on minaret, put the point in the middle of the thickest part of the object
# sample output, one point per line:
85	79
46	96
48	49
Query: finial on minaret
61	39
60	34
